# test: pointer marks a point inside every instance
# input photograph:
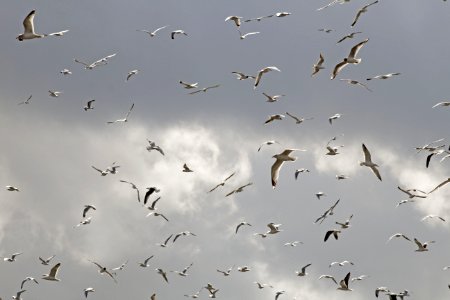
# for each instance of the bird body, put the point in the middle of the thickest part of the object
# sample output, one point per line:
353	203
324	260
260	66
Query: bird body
280	159
350	59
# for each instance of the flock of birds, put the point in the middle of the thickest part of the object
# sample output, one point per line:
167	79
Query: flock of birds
150	199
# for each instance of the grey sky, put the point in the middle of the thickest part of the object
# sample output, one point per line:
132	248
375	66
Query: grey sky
49	145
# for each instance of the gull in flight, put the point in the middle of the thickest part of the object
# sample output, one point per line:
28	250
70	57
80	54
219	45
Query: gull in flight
145	264
242	76
444	103
272	98
54	94
239	189
18	295
278	294
12	188
341	264
132	73
179	31
298	171
326	30
183	233
227	272
320	194
89	105
152	146
346	224
242	224
204	89
385	76
348	36
333	3
87	208
268	143
26	280
293	244
187	85
405	201
356	82
318	65
28	26
359	278
102	172
329	277
163	274
397	235
411	195
393	296
235	19
262	285
102	270
258	18
328	212
342	177
243	269
334	117
273	228
351	59
243	36
274	117
133	186
87	291
100	62
333	232
368	162
66	72
303	271
361	11
421	247
84	222
344	283
263	71
45	262
333	150
429	146
440	185
53	273
154	213
26	101
381	289
297	119
119	268
194	296
164	245
183	273
12	258
152	33
280	159
124	119
282	14
222	183
186	169
149	192
431	217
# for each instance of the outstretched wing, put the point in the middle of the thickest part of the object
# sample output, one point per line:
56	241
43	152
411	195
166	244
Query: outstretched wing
28	22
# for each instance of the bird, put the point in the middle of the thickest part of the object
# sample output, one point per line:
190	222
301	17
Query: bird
12	258
346	224
333	232
385	76
223	182
397	235
330	4
240	225
342	177
65	72
29	33
258	18
188	86
303	271
298	171
26	101
320	194
361	11
243	269
87	208
103	270
12	188
227	272
318	65
145	264
368	162
274	117
119	268
239	189
18	295
163	274
186	169
183	273
53	273
411	195
212	294
268	143
341	264
100	62
273	98
381	289
280	159
405	201
293	244
194	296
124	119
359	278
440	185
150	191
54	94
204	89
421	247
26	280
429	146
152	146
431	217
356	82
326	30
183	233
334	117
152	33
235	19
46	261
263	71
89	105
278	294
328	212
242	76
297	119
350	59
153	296
175	32
348	36
282	14
153	205
329	277
243	36
154	213
332	150
102	172
262	285
164	245
133	186
273	228
87	291
436	152
132	73
444	103
344	283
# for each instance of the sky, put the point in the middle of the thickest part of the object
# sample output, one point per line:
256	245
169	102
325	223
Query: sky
50	145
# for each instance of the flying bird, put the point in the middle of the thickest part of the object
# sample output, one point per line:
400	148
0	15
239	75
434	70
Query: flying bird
124	119
243	36
53	273
13	257
273	98
340	264
164	245
183	233
328	212
280	159
273	118
133	186
87	208
103	270
350	59
240	225
259	18
411	195
154	213
163	274
45	262
26	101
29	33
152	146
320	194
298	171
176	32
188	85
421	247
87	291
346	224
431	217
333	232
297	119
65	72
385	76
356	82
18	295
54	94
150	191
334	117
242	76
132	73
223	182
343	284
348	36
397	235
329	277
326	30
235	19
153	205
26	280
204	89
12	188
444	103
440	185
239	189
263	71
368	162
152	33
361	11
145	264
89	105
318	65
100	62
303	271
186	169
227	272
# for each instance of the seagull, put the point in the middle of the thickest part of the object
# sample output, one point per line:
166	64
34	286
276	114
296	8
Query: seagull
328	212
436	152
239	189
268	143
227	272
258	18
242	224
223	182
411	195
397	235
183	273
298	171
333	232
132	73
243	36
330	4
346	224
99	62
341	264
235	19
351	59
153	205
164	245
320	194
303	271
45	262
356	82
54	94
444	103
368	162
332	150
344	283
133	186
421	247
242	76
280	159
154	213
53	273
102	270
348	36
318	65
87	208
282	14
119	268
440	185
163	274
26	101
272	98
153	146
89	105
262	285
274	117
187	85
278	294
326	30
329	277
186	169
297	119
12	188
274	228
381	289
262	71
28	279
405	201
18	295
196	295
12	258
150	191
243	269
361	11
172	35
124	119
152	33
432	216
429	146
385	76
28	25
88	290
293	244
212	294
334	117
102	172
359	278
204	89
145	264
342	177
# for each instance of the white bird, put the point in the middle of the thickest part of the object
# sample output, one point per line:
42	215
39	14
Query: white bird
45	262
397	235
187	85
444	103
100	62
124	119
263	71
329	277
303	271
227	272
381	289
421	247
53	273
84	222
385	76
341	264
242	76
163	274
154	213
152	146
344	283
87	208
89	105
368	162
244	269
361	11
152	33
12	188
351	59
26	280
359	278
274	117
346	224
103	270
318	65
87	291
102	172
28	26
280	159
326	30
239	189
54	94
223	182
356	82
172	35
272	98
405	201
183	273
268	143
258	18
262	285
273	228
293	244
132	73
411	195
431	217
66	72
348	36
328	212
145	264
204	89
235	19
243	36
26	101
297	119
119	268
12	258
334	117
282	14
242	224
298	171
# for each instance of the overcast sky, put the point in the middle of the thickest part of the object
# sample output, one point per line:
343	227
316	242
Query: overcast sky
50	144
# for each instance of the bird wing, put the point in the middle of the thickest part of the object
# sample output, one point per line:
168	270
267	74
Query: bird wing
128	113
258	79
304	268
59	33
158	29
212	87
28	22
367	156
440	185
165	242
195	92
338	68
54	270
376	172
143	30
293	117
275	171
327	235
358	14
354	51
419	244
97	169
428	159
167	221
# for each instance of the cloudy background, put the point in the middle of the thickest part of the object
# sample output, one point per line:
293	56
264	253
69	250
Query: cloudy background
48	147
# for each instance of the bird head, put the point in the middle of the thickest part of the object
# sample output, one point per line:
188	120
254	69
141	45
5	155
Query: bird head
20	37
